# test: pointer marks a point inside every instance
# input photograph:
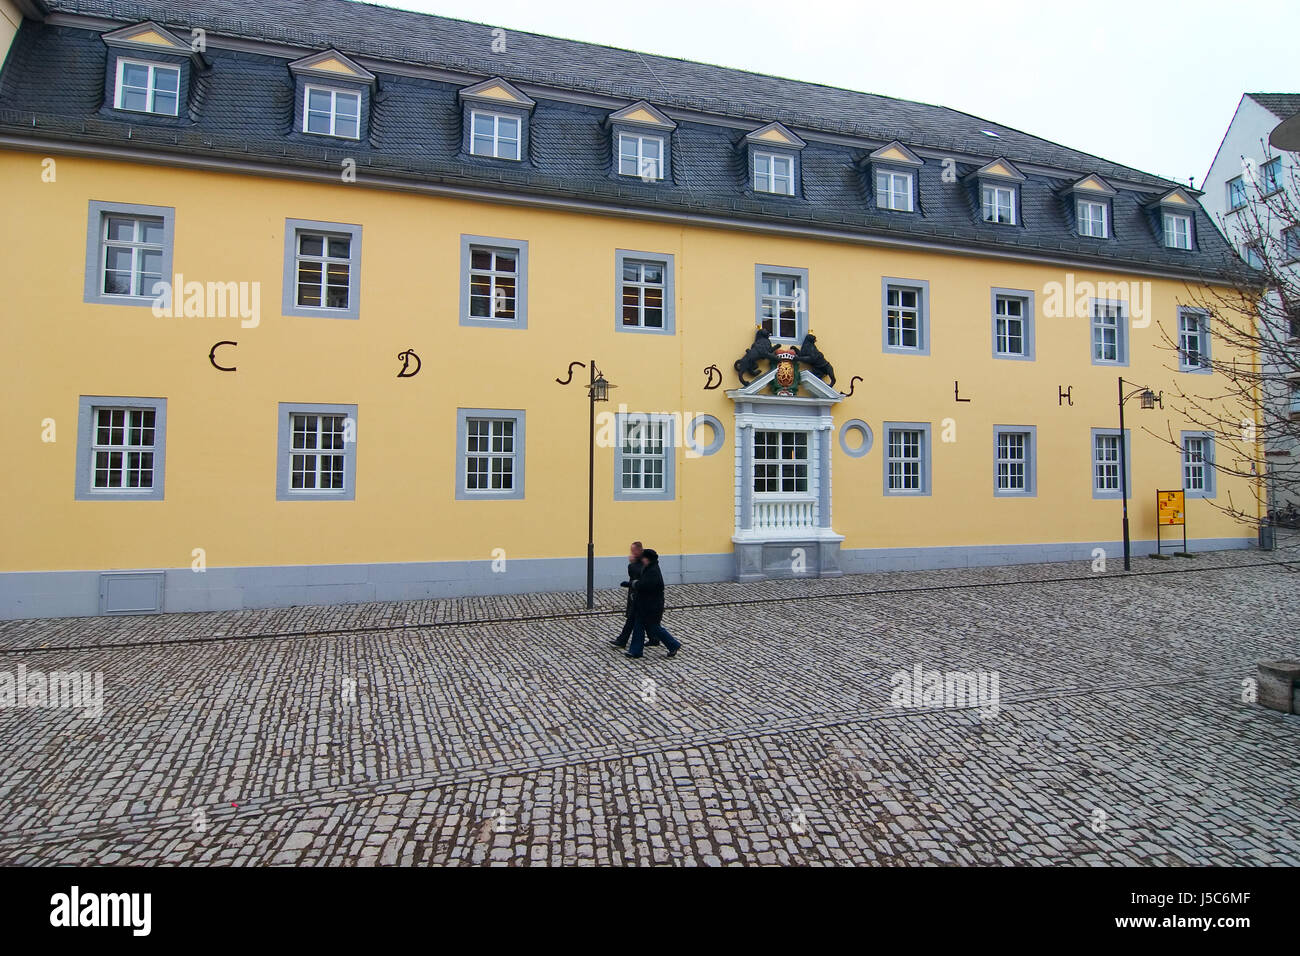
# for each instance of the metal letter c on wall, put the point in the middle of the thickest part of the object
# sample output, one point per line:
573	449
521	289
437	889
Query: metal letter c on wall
212	356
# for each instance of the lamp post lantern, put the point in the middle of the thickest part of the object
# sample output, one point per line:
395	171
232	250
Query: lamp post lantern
1149	400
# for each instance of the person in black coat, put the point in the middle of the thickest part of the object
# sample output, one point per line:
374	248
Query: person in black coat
633	572
648	607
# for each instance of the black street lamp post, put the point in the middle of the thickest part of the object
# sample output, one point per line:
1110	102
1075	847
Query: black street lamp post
597	391
1149	400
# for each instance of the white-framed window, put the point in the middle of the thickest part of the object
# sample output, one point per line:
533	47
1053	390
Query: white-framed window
903	317
1291	243
644	450
1105	463
773	173
780	301
330	112
999	203
496	135
1194	464
894	190
122	449
641	286
1295	398
1270	176
1193	340
1178	230
1236	192
780	462
1109	333
133	254
493	283
905	465
1253	258
316	453
1009	330
1013	461
1093	219
144	87
323	270
489	459
641	155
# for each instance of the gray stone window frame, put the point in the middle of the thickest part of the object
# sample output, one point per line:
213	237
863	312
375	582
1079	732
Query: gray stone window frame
84	481
926	458
1028	322
1031	461
94	282
519	416
520	248
670	291
863	429
669	490
922	286
801	315
283	464
1127	479
289	299
692	441
1211	485
1204	368
1121	336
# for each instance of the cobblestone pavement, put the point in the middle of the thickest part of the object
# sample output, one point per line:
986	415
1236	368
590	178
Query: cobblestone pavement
437	733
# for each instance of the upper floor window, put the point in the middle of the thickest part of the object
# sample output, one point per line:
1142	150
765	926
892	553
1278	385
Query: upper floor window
1295	399
894	190
133	255
1109	333
641	156
1193	340
1291	243
1253	258
494	134
644	285
781	299
773	173
1237	192
905	316
330	112
1092	219
1011	326
322	269
494	282
1270	176
999	203
145	87
1178	230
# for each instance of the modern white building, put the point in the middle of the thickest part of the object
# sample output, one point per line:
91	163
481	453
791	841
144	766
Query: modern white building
1246	171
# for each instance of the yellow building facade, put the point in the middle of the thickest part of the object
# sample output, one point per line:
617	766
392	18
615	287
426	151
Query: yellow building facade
220	525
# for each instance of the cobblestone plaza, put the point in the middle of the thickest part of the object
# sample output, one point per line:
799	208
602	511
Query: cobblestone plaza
507	731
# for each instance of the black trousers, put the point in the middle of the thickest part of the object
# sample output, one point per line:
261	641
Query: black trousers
651	625
629	624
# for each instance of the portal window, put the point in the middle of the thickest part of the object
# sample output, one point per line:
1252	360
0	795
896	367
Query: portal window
780	462
144	87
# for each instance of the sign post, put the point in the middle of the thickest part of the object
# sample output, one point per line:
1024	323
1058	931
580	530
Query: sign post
1171	510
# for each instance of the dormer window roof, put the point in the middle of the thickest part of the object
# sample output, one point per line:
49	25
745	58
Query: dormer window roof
642	142
495	120
332	65
893	172
773	160
999	184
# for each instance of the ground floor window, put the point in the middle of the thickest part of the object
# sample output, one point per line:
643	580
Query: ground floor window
643	454
780	462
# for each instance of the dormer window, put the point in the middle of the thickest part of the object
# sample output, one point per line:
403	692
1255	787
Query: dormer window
1093	220
494	134
999	203
893	169
1178	230
642	143
495	117
773	173
144	87
147	71
331	112
774	160
333	95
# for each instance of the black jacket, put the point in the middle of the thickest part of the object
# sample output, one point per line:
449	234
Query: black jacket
648	589
633	572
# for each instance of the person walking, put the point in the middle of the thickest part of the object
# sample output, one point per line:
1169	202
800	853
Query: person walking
633	572
648	607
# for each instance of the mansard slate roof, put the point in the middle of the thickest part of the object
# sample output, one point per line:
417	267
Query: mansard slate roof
241	110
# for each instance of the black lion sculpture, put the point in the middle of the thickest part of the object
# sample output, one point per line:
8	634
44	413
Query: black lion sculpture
811	357
747	364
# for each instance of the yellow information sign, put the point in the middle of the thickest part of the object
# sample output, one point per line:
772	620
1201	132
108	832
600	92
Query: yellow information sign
1169	507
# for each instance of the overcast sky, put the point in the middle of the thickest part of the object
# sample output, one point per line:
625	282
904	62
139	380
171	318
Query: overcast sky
1147	83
